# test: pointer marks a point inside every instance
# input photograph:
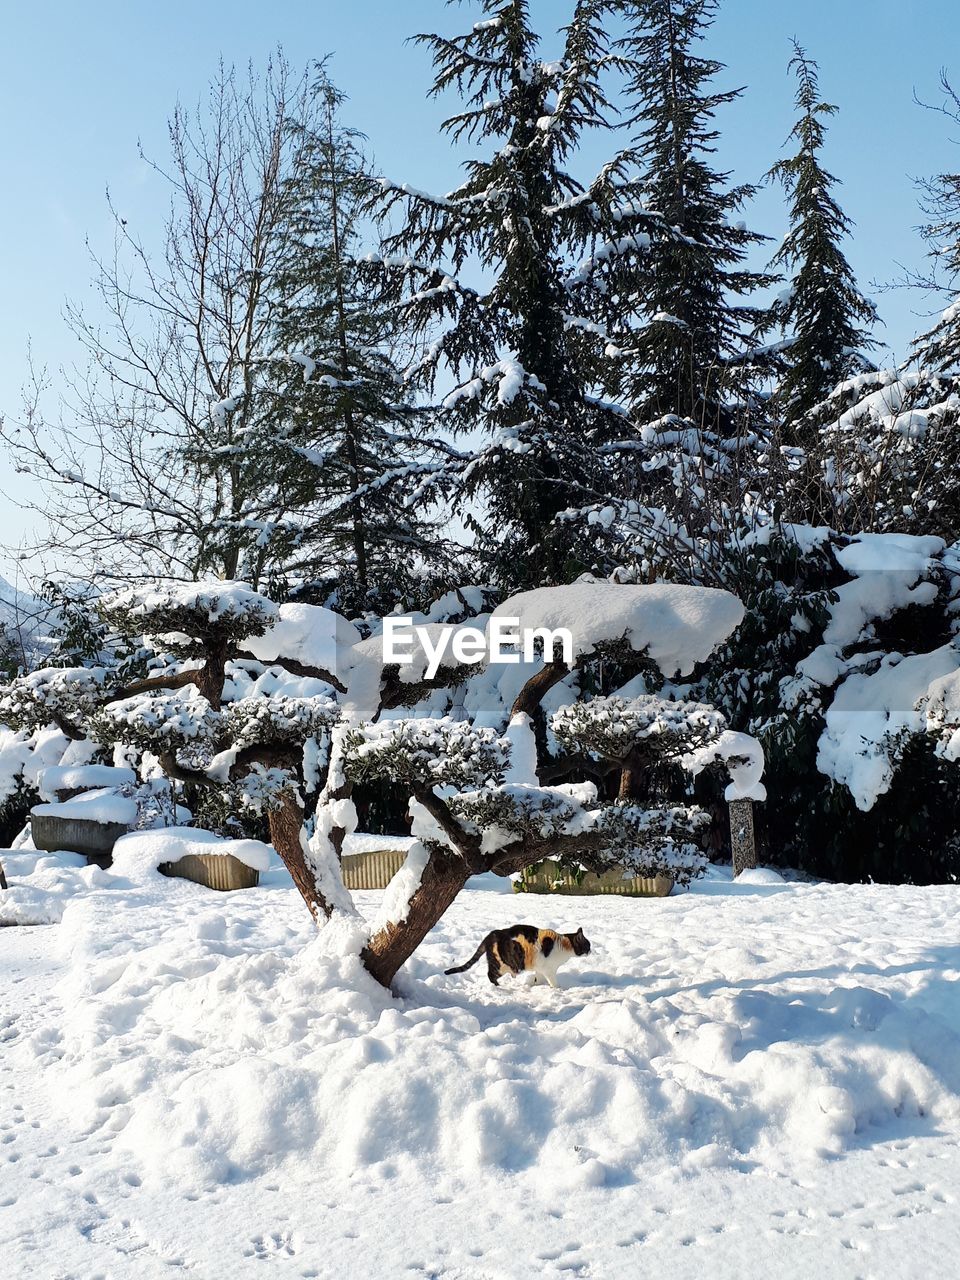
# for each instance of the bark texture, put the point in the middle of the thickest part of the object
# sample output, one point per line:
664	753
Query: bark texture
286	824
443	878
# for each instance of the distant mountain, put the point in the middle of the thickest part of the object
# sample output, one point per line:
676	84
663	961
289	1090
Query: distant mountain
26	623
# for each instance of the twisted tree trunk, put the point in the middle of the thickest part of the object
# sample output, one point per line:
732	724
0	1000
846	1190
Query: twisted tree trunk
286	827
443	877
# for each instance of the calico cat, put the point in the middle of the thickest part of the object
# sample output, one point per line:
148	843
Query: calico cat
525	948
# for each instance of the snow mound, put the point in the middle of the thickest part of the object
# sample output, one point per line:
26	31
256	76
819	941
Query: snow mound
141	852
102	805
41	885
217	1042
308	634
22	904
677	626
760	875
82	777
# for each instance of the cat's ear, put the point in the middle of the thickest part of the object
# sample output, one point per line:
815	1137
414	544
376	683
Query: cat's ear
579	933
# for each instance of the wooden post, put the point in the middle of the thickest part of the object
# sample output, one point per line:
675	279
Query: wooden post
742	840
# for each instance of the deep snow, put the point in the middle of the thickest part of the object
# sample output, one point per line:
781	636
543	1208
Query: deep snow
738	1077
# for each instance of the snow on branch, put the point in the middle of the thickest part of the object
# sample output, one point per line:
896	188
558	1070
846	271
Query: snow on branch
64	696
677	626
277	720
520	824
159	723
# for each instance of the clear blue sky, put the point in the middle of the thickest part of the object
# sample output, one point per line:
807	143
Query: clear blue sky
81	83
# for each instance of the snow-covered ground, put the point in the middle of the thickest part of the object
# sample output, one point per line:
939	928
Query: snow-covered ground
737	1078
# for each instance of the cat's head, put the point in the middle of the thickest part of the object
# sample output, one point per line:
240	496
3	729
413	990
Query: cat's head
580	943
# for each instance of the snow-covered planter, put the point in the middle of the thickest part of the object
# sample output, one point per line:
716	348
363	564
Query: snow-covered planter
90	837
91	822
190	854
214	871
373	869
552	877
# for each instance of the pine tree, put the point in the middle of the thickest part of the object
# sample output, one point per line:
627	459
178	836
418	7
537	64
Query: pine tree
823	311
526	347
344	432
689	324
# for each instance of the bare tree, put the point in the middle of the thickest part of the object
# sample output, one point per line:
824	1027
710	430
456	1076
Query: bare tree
151	463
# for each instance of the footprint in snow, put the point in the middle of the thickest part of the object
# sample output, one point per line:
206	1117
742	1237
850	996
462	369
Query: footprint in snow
268	1247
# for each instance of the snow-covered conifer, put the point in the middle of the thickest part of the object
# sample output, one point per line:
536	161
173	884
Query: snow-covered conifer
525	344
825	317
692	319
339	427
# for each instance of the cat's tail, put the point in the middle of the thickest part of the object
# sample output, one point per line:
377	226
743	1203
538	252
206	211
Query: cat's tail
473	959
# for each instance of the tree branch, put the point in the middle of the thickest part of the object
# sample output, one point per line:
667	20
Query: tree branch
466	844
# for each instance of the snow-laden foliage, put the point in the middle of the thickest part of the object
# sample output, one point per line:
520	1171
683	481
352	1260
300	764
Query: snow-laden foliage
688	300
651	728
344	435
159	722
182	616
887	452
426	753
843	638
599	836
527	345
278	720
53	695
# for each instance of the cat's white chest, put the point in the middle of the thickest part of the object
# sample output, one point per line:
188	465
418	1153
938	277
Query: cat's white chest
546	966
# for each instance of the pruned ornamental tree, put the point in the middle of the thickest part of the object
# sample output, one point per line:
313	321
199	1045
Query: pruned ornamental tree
631	736
251	748
489	803
253	699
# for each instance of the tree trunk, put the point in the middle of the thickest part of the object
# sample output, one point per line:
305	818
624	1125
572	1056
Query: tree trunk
286	825
210	678
443	878
538	686
631	779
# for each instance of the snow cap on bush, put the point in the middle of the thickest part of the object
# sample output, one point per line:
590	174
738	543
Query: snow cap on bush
182	616
612	727
441	752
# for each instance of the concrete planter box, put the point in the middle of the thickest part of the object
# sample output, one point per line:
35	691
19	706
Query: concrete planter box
215	871
372	870
95	840
611	882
